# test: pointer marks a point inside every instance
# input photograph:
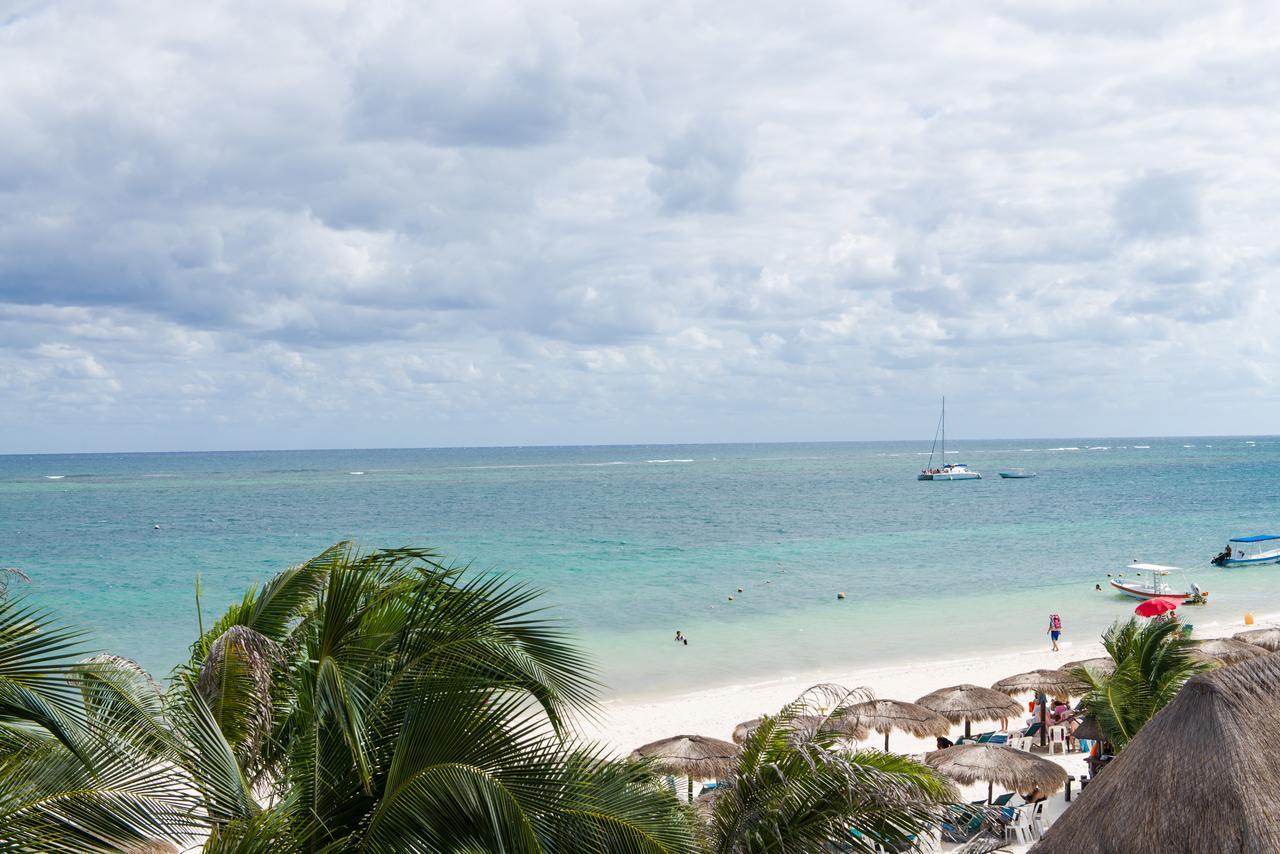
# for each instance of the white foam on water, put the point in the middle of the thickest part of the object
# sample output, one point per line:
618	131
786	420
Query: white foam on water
355	472
668	461
1142	447
54	476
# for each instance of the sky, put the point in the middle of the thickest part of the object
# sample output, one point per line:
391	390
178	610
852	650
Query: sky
385	224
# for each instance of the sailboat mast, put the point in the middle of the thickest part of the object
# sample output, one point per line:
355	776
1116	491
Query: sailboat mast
944	429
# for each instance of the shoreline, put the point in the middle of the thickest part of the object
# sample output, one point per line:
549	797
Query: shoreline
626	722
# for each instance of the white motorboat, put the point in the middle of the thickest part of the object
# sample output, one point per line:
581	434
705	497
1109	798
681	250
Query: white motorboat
1151	581
1244	551
945	471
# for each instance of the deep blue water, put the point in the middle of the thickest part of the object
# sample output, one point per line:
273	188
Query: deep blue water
633	542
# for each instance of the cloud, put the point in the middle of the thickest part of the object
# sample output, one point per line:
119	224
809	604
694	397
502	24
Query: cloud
1158	205
248	225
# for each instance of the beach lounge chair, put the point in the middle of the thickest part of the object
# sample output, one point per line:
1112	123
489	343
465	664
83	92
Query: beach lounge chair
999	738
964	826
1003	799
1032	730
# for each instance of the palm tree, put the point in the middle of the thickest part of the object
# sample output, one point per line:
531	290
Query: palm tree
361	701
1153	662
796	789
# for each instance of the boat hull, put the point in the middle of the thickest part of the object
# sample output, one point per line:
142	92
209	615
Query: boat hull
1142	591
1011	475
967	475
1252	561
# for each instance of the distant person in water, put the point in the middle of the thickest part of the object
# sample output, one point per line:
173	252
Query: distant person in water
680	636
1055	630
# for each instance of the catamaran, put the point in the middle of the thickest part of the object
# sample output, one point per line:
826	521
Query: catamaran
1155	585
945	471
1243	551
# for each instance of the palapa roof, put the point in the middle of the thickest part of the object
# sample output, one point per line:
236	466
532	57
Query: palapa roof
885	716
1101	665
1268	639
847	726
994	763
1226	650
690	755
961	703
1053	682
1202	775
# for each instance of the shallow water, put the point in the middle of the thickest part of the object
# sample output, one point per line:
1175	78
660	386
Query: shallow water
633	542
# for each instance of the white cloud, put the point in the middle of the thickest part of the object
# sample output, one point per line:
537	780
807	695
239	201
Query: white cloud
231	224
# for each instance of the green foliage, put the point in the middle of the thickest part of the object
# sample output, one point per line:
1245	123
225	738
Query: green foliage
375	701
1153	661
795	789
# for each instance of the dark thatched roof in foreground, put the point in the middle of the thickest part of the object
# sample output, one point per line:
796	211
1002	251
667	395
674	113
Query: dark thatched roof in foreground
1203	775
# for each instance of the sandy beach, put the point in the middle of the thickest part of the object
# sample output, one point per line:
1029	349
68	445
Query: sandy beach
625	724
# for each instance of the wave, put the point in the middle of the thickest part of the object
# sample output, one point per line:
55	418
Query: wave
668	461
1098	448
1062	449
355	472
54	476
1142	447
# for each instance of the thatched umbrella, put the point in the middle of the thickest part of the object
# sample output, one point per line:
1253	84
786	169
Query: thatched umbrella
847	726
994	763
1228	651
690	756
1102	666
1042	683
1202	775
968	703
884	716
1268	639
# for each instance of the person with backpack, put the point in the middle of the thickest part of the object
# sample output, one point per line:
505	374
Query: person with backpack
1055	630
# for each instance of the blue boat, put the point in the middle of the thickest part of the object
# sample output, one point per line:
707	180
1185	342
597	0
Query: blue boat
1246	551
1017	474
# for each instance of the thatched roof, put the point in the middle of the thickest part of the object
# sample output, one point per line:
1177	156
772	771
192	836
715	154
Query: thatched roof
1202	775
993	763
1103	665
690	755
1268	639
1226	650
886	716
847	726
1052	682
961	703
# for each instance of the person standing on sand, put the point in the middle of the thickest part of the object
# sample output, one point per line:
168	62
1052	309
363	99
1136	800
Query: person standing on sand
1055	630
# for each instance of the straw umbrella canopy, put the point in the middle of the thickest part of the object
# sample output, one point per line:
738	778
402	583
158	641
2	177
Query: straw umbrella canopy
1202	775
1268	639
1228	651
1048	682
885	716
846	725
1102	666
994	763
691	756
968	703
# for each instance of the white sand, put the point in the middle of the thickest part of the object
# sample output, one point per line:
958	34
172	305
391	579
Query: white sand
627	723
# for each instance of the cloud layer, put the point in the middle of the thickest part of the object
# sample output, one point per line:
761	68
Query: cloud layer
322	224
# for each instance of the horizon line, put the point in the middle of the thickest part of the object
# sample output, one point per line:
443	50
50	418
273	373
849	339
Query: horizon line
622	445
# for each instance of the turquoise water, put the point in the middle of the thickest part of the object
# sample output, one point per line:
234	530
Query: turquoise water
633	542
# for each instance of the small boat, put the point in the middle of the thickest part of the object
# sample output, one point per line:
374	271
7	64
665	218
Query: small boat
1017	474
946	471
1155	585
1243	551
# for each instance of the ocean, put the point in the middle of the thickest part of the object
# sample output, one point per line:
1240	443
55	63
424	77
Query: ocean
634	542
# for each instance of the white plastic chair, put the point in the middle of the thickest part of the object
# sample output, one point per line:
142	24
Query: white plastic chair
1057	738
1022	827
1037	820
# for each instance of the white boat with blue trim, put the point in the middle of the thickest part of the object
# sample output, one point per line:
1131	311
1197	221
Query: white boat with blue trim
1246	551
945	471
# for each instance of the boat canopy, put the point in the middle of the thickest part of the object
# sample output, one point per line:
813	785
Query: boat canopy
1153	567
1256	538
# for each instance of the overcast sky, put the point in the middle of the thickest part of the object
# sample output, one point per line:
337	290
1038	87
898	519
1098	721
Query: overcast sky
262	225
